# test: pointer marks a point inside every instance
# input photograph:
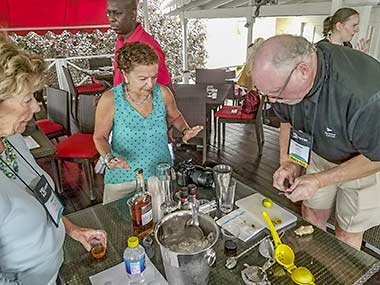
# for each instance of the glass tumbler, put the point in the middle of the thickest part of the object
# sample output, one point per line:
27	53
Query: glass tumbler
163	172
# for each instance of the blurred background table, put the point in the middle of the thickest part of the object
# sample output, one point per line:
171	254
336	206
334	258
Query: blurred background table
46	149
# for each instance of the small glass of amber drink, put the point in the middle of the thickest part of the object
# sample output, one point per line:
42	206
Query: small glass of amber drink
98	246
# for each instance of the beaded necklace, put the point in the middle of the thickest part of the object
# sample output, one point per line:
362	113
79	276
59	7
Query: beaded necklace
133	100
8	159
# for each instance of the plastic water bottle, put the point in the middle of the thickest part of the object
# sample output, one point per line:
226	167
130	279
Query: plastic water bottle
134	260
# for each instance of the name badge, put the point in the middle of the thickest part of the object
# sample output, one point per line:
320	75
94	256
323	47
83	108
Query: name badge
300	145
49	199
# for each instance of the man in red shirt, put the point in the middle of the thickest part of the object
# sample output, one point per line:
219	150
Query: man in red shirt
122	17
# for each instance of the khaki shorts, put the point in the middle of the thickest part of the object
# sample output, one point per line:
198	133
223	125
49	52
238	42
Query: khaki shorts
113	192
356	202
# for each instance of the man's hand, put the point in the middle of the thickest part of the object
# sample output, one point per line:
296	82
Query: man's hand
286	174
303	188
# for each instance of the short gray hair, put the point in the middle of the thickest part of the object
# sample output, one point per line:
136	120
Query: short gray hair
292	50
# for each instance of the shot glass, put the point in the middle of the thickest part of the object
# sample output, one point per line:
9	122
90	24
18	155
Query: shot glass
98	244
230	233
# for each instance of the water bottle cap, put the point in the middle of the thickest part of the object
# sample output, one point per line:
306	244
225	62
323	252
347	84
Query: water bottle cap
133	241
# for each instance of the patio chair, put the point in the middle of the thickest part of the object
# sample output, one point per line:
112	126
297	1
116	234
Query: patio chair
83	108
234	115
194	111
78	147
57	123
84	89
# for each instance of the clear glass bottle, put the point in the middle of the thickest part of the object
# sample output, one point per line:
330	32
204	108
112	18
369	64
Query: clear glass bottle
141	208
134	261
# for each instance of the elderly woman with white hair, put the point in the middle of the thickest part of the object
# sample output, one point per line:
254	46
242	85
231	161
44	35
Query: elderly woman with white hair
32	229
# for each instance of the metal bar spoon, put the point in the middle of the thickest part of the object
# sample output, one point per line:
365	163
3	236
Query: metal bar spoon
231	262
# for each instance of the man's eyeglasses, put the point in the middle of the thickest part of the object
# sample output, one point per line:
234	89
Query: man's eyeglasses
277	97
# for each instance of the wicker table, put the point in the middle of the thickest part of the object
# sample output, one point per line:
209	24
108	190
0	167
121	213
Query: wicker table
46	148
331	261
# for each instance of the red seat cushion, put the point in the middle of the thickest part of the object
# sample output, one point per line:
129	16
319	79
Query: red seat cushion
225	112
76	146
49	127
90	88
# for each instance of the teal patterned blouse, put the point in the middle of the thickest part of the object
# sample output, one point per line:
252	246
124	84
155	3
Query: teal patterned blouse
142	142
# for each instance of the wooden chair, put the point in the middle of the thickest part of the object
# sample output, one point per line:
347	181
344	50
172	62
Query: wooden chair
78	148
226	115
57	123
194	112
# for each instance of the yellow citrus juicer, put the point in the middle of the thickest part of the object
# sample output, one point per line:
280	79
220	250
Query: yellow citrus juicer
284	256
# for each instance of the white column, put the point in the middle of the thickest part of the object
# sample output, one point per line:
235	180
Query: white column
335	5
146	16
365	13
250	21
185	64
62	83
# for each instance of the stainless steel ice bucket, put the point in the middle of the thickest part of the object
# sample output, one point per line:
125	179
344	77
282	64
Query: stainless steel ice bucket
186	268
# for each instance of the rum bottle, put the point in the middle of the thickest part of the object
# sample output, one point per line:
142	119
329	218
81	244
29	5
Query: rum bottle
141	208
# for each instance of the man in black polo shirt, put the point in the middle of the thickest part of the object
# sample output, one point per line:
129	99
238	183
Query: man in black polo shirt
328	100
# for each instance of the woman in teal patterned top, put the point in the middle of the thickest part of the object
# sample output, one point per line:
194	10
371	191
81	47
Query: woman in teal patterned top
137	112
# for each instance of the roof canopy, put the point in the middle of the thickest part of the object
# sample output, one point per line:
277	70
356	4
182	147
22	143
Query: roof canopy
250	8
40	16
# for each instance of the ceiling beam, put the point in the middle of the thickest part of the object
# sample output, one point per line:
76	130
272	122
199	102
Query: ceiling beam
235	3
216	3
286	10
192	5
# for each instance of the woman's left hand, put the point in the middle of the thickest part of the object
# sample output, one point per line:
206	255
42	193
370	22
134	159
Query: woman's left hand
190	133
363	45
85	235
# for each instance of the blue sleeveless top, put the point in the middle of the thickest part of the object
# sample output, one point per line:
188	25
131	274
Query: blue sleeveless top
142	142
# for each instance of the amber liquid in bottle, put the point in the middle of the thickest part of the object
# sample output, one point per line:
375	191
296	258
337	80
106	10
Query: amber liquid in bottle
141	208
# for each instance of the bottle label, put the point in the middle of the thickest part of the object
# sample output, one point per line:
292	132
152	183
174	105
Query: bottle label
135	267
146	214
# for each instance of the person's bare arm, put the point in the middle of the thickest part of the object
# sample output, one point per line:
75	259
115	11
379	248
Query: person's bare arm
104	122
284	142
103	126
171	88
355	168
288	170
175	118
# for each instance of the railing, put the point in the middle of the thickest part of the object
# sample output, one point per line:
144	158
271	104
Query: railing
81	72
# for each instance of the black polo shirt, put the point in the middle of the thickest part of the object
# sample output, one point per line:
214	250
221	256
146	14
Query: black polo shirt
346	99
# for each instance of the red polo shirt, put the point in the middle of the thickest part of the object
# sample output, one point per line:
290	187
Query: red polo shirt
140	35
